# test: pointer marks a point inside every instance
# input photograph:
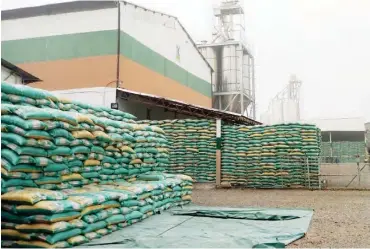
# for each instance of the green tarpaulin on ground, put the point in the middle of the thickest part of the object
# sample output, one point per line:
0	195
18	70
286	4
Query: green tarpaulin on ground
214	227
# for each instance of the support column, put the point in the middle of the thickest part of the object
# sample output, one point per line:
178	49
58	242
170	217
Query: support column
218	152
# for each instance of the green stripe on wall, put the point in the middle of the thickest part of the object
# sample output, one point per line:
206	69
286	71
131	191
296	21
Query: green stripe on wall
70	46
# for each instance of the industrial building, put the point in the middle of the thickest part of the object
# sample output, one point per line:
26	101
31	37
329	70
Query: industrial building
74	45
87	49
342	139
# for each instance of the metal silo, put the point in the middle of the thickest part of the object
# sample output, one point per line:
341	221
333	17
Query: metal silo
234	80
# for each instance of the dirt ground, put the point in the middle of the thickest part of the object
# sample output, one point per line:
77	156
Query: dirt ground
341	218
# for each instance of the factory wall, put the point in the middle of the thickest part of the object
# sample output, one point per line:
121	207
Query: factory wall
78	50
104	96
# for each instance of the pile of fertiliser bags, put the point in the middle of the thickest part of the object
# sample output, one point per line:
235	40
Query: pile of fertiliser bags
277	156
72	172
192	144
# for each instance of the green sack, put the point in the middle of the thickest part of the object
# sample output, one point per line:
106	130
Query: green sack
37	134
95	226
18	182
24	124
55	167
80	150
53	238
52	218
133	215
14	138
34	113
118	218
60	151
61	133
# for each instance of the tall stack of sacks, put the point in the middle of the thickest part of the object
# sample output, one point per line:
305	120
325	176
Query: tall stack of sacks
119	160
53	149
151	148
270	156
192	146
33	150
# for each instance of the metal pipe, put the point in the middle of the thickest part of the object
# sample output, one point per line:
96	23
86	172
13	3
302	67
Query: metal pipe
118	43
254	90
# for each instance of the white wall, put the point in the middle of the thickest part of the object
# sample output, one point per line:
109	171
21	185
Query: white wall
60	24
13	79
101	96
339	124
162	34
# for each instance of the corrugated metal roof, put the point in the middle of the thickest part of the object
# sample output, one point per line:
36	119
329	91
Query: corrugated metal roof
26	77
185	108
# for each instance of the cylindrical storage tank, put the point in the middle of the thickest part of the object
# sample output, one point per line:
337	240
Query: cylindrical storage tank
276	112
246	75
290	111
265	118
229	79
229	66
367	130
210	55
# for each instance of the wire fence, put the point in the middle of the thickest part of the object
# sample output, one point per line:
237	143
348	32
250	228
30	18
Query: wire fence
337	175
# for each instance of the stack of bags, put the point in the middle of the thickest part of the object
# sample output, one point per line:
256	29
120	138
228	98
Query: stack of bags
277	156
101	164
56	150
43	218
192	146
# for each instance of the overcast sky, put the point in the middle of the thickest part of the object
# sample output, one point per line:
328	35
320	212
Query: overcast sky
326	43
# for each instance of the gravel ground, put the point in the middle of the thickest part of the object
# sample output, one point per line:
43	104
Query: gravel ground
341	218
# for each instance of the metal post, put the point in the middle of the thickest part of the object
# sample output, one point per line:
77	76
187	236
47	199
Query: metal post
254	90
308	173
359	174
218	152
118	44
241	80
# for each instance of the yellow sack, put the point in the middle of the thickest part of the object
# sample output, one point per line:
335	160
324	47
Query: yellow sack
157	129
42	244
162	150
32	195
50	206
187	187
101	134
91	210
72	177
14	234
132	179
84	119
127	149
192	149
111	148
45	228
82	134
111	205
91	162
186	198
136	161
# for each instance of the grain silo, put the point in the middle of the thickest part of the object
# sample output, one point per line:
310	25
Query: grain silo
232	61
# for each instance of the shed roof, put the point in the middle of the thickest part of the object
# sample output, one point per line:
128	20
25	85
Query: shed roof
26	77
185	108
